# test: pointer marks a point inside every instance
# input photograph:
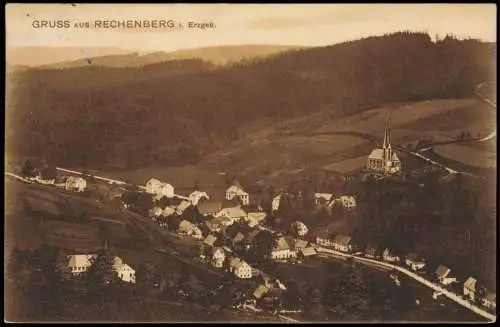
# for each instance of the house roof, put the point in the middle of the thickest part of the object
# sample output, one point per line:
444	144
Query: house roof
470	283
326	196
236	190
342	239
442	271
284	243
234	212
377	154
168	211
260	291
210	240
212	225
183	206
186	226
300	244
259	216
237	263
80	260
308	251
209	207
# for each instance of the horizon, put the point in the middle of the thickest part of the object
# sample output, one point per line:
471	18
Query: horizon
306	25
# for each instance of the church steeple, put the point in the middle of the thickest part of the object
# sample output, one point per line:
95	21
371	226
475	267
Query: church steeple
386	134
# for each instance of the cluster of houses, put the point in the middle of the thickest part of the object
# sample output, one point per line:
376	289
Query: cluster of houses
47	176
79	264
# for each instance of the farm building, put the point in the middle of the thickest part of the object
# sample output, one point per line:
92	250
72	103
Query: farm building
284	249
209	208
413	261
442	274
76	184
384	161
234	213
236	192
470	288
159	189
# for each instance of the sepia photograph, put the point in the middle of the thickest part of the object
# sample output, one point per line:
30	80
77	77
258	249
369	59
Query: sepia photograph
250	163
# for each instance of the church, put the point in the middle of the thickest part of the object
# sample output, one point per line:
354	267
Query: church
384	161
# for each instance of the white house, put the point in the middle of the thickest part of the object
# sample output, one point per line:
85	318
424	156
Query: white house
233	213
196	196
470	288
76	184
414	262
159	189
240	268
342	243
237	192
388	256
218	257
300	228
255	218
322	198
284	249
124	271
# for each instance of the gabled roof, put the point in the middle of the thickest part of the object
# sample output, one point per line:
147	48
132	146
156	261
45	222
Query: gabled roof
80	260
342	240
442	271
377	154
209	207
210	240
259	216
234	212
308	251
217	249
300	244
236	190
470	283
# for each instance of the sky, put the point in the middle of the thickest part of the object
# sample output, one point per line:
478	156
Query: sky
238	24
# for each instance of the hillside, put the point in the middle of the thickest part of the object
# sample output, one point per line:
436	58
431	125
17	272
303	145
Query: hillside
132	117
221	55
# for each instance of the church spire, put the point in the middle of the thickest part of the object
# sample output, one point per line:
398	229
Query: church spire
386	134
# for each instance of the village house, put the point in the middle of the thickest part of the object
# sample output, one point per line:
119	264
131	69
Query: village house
470	288
76	184
187	228
218	257
196	196
388	256
372	251
234	213
490	301
80	263
299	228
182	207
240	268
413	261
442	274
210	240
308	252
275	204
209	208
384	161
159	189
255	218
322	198
347	202
323	238
214	226
284	249
237	192
342	243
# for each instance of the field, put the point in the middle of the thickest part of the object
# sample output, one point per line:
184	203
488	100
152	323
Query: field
467	155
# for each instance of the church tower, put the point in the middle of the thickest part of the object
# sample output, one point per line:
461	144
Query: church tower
387	143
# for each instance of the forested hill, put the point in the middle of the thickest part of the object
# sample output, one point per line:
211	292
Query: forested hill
128	117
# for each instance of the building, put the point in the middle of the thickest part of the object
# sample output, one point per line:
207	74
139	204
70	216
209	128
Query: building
384	161
182	207
187	228
490	301
218	257
237	192
348	202
196	196
240	268
234	213
209	208
80	263
442	274
470	288
276	202
124	271
342	243
414	262
372	251
155	212
255	218
284	249
76	184
308	251
260	291
210	240
322	198
299	228
388	256
159	189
